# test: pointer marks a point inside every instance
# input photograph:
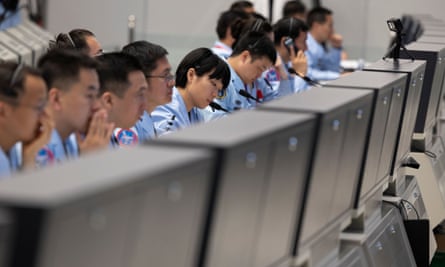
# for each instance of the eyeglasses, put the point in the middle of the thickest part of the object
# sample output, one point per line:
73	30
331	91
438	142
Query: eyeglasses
167	78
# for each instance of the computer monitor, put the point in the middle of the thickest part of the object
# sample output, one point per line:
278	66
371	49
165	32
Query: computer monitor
432	39
433	32
389	90
264	158
415	72
7	55
25	54
38	47
343	118
132	207
432	90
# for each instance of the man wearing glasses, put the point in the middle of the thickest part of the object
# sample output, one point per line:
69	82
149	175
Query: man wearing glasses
23	96
160	82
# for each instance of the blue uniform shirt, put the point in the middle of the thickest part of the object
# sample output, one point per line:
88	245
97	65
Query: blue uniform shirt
57	150
230	98
145	128
174	116
222	50
323	62
5	167
12	19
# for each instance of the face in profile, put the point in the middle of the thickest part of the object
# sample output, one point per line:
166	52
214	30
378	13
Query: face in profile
94	47
80	101
26	110
160	84
253	68
128	108
203	89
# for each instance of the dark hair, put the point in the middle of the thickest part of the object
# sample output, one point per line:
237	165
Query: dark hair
61	67
256	23
113	71
203	61
258	45
290	27
75	39
317	14
293	7
241	5
147	53
12	78
227	19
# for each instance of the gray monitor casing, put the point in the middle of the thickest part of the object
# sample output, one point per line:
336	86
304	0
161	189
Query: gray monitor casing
343	118
415	73
6	55
36	45
25	53
432	90
264	158
389	90
125	208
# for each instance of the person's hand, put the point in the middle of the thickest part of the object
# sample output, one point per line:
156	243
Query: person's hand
281	68
299	61
98	135
43	136
336	40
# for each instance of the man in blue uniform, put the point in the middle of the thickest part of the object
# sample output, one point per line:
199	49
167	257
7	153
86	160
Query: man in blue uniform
253	55
199	78
23	96
225	25
73	87
122	93
324	46
160	82
290	42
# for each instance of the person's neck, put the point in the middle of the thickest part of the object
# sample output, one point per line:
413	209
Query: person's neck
186	98
62	129
227	41
316	37
6	141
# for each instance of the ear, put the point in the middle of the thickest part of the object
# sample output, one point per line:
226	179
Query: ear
191	73
3	109
107	100
54	98
245	56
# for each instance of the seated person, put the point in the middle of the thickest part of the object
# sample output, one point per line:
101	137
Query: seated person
199	77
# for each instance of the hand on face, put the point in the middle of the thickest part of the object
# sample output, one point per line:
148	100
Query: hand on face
299	61
98	135
43	136
336	40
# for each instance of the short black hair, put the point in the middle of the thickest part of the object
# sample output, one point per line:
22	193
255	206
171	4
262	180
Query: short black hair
317	14
293	7
114	69
12	78
258	45
256	23
241	5
147	53
61	67
290	27
75	40
204	61
227	19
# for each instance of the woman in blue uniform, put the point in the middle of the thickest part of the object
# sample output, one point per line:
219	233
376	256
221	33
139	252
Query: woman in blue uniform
199	78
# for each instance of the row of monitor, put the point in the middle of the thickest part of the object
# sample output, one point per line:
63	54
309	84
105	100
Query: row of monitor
256	188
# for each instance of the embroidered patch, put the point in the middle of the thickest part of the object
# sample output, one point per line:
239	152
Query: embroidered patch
221	94
127	137
44	157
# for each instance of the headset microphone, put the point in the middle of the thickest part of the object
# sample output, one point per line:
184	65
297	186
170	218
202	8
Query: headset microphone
307	79
218	107
247	95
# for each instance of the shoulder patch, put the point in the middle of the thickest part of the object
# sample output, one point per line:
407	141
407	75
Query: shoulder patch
127	137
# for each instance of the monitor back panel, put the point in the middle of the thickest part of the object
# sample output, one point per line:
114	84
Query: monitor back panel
329	195
112	209
415	73
389	91
431	94
264	159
